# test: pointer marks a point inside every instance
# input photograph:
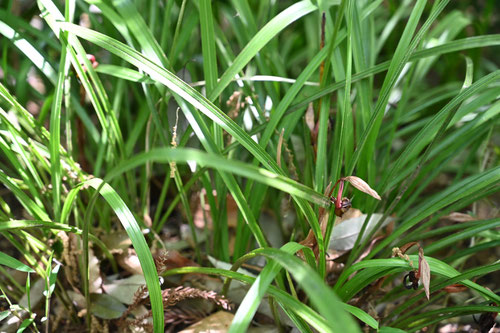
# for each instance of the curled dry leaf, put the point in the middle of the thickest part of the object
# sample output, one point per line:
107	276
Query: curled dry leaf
363	186
407	246
425	272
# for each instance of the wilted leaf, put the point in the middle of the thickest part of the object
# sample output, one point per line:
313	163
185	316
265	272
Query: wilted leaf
309	117
174	259
407	246
455	288
203	217
425	272
344	234
278	150
459	217
363	186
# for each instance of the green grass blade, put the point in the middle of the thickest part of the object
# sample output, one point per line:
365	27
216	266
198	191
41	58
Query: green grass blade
183	155
321	296
30	51
26	224
431	128
139	243
208	45
305	312
13	263
55	132
270	30
401	56
466	233
249	304
179	87
141	31
437	267
30	206
453	46
458	191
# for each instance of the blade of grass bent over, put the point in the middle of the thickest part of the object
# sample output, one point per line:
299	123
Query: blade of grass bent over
139	243
183	155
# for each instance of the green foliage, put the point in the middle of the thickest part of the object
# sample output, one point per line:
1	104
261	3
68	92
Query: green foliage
403	94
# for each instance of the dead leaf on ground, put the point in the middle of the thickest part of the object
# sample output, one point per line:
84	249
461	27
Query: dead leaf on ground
129	261
174	259
218	322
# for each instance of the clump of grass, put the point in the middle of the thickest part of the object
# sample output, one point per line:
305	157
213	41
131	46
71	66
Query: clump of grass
253	109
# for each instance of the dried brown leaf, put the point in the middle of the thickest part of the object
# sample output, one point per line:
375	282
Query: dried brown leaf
459	217
278	152
129	261
234	104
455	288
363	186
425	272
309	117
407	246
217	322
